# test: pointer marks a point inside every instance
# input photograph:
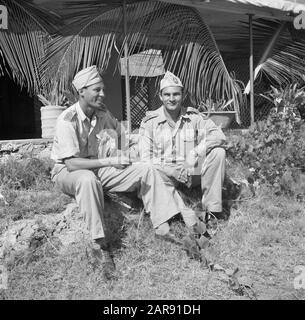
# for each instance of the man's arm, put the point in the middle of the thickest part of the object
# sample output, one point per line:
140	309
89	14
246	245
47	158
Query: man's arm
66	149
209	136
73	164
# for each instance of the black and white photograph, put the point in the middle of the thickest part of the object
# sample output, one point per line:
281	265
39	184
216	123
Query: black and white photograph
152	151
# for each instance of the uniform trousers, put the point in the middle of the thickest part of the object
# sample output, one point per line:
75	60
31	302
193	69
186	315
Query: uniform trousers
210	176
87	188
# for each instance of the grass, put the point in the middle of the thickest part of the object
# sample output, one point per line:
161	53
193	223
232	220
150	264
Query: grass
28	190
264	239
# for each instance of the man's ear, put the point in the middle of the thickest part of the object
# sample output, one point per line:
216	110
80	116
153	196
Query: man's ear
81	91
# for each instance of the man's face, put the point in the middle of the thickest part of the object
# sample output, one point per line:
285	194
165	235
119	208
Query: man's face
171	98
94	95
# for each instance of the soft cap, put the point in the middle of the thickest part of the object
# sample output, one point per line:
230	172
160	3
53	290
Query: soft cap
170	80
86	77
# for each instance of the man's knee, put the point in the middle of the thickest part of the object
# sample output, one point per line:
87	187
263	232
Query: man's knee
87	178
215	159
144	167
217	154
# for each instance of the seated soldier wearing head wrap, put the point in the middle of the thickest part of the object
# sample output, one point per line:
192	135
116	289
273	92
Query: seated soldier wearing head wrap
83	171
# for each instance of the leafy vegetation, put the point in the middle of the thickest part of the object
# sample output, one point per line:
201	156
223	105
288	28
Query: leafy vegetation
23	45
28	190
274	151
287	98
25	174
210	105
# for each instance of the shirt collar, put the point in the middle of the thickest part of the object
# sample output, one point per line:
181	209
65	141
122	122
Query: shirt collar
162	116
83	117
80	112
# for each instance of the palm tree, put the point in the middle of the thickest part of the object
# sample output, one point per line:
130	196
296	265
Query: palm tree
46	64
188	46
23	44
279	52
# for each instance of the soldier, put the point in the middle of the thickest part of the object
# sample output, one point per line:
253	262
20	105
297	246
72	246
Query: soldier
75	151
186	147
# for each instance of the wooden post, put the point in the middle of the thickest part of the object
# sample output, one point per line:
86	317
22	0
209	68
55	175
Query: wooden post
127	84
251	69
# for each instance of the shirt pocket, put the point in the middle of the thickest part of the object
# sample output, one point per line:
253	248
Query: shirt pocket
162	141
186	141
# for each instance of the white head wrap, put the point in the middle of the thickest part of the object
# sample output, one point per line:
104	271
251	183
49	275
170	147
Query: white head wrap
86	77
170	80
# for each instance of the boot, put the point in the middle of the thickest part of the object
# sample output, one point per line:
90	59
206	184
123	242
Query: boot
104	258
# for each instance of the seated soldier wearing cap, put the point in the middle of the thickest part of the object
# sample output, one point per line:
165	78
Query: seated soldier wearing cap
75	150
185	146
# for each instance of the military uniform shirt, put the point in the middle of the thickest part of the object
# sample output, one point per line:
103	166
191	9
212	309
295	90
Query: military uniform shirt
162	144
76	135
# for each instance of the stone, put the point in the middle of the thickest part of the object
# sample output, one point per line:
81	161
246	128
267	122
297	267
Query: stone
68	227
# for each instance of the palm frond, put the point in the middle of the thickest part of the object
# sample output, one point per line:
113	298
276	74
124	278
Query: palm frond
77	10
77	46
187	44
285	61
189	49
23	45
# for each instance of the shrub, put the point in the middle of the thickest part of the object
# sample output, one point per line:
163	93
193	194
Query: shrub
27	188
26	204
24	174
286	98
274	151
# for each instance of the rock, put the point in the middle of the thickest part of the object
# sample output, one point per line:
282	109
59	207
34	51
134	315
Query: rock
8	148
218	267
67	227
59	230
45	153
26	148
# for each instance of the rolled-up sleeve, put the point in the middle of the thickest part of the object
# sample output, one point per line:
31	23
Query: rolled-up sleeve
65	143
210	136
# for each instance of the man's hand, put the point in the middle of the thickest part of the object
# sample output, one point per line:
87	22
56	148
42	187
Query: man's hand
133	138
119	162
191	159
179	173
